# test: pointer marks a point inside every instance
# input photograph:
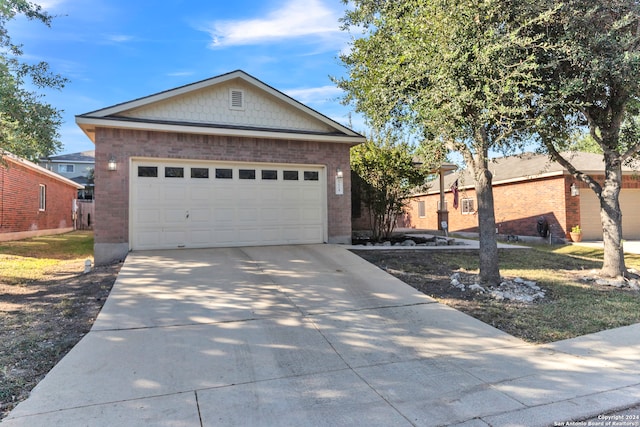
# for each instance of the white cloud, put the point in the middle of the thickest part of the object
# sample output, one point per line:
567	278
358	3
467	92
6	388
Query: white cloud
297	18
316	95
119	38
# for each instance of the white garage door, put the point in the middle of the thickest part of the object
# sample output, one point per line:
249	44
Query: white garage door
177	204
590	214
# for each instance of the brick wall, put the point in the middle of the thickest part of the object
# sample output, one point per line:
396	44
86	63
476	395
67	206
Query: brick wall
20	200
112	187
517	208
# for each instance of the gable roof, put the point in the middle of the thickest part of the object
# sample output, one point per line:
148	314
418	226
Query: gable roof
529	166
206	107
81	157
12	158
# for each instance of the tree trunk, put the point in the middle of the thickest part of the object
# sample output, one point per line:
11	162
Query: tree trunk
489	269
611	217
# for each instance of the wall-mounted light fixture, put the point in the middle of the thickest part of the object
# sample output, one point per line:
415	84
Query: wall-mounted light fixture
339	182
112	165
575	191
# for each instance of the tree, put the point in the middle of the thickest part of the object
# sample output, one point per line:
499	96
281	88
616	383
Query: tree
456	73
591	76
28	126
386	168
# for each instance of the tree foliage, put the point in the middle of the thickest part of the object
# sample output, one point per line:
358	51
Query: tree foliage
28	125
590	77
459	74
386	168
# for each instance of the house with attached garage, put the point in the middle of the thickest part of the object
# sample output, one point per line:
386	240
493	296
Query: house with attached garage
227	161
527	188
33	200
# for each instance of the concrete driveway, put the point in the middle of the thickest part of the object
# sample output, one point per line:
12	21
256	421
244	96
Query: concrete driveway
313	335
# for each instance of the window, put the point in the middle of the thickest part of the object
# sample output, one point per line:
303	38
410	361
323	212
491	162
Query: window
171	172
290	175
148	171
200	173
421	209
43	197
269	175
66	168
310	176
224	173
467	206
247	174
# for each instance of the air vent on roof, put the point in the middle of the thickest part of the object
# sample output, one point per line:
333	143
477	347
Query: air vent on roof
236	99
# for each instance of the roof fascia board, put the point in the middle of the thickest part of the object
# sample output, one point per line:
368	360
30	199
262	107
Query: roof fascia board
207	130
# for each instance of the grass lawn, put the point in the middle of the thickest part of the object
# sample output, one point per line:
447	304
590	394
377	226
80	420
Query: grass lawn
573	306
47	304
45	257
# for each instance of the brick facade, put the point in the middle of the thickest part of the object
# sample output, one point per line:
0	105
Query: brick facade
518	205
112	193
20	213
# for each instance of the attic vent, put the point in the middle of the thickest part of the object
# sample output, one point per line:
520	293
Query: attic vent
236	99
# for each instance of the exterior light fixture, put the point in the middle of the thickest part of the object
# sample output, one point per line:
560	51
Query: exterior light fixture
575	191
112	165
339	182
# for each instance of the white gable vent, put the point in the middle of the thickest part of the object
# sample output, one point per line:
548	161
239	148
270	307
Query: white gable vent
236	99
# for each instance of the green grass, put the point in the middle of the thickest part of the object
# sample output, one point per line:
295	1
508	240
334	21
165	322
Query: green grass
573	306
38	258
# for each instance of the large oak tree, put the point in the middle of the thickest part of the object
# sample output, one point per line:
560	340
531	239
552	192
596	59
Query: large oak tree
456	73
590	78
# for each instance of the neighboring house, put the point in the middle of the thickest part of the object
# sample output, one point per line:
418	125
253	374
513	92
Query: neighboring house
77	167
526	188
227	161
33	200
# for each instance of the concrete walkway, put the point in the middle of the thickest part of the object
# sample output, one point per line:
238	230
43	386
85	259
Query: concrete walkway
313	336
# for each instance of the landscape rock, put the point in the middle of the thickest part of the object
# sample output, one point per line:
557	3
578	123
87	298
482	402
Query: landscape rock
408	242
477	287
517	290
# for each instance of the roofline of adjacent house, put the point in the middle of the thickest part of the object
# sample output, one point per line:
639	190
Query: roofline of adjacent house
47	160
89	123
513	180
160	96
26	163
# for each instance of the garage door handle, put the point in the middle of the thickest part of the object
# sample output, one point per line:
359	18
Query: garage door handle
187	214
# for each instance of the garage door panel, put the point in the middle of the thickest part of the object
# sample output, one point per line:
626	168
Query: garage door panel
174	238
223	215
200	237
173	216
200	215
209	211
148	216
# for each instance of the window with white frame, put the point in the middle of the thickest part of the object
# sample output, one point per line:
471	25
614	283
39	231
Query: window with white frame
43	197
422	211
66	168
467	206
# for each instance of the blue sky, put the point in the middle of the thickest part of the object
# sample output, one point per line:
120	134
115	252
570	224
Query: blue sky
114	51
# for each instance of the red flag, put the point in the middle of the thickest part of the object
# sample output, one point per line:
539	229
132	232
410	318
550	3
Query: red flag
454	190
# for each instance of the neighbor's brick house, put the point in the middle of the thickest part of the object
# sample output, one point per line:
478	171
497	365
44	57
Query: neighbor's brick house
33	200
227	161
526	188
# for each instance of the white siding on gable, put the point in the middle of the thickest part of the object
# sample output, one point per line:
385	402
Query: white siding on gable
212	106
